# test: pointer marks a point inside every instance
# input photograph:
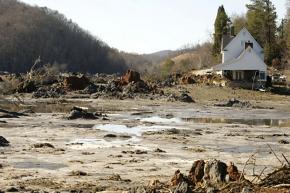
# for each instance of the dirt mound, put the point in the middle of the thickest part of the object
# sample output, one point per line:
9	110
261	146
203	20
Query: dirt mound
215	176
76	83
130	76
215	172
3	142
206	176
233	172
196	172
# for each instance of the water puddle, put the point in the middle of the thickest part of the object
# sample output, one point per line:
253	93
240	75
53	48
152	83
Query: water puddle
267	122
38	165
157	119
239	149
93	143
137	131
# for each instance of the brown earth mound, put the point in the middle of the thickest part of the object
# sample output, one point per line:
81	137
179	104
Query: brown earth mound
130	76
76	83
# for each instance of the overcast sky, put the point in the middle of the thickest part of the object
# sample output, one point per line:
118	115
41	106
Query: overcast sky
146	26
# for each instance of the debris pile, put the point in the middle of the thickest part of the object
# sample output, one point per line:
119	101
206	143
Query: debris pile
196	172
280	176
130	76
128	86
216	176
53	91
27	86
187	80
3	142
76	83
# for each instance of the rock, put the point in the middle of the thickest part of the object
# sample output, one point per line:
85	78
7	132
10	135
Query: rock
79	113
233	172
182	98
125	136
196	172
185	98
3	142
236	103
76	83
42	145
12	189
110	136
130	76
159	150
183	187
77	173
283	141
138	151
215	173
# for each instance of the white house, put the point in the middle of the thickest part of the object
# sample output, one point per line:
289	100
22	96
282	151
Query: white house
242	58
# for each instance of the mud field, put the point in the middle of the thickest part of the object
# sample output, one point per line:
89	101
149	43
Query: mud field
133	142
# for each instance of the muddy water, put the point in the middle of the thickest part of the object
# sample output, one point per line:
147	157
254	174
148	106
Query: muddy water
38	165
251	122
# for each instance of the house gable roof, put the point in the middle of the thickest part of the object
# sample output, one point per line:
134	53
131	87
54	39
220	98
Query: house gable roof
226	39
239	36
248	60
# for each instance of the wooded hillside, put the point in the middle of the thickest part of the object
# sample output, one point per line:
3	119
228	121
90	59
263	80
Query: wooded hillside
27	33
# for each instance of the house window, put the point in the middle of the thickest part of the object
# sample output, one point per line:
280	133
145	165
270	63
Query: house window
247	44
239	75
262	75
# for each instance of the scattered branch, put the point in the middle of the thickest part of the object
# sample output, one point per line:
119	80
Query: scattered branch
274	153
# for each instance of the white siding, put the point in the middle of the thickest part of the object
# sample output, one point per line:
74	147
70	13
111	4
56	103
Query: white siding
248	60
237	46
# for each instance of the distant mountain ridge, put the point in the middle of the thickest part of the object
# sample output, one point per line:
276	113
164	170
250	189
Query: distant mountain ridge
27	33
193	57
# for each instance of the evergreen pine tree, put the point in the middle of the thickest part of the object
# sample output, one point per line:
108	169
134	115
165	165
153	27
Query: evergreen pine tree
221	28
261	22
